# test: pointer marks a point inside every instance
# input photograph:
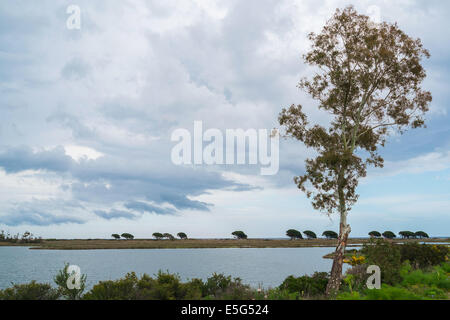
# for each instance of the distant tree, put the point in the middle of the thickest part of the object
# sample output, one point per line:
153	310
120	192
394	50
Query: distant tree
168	236
389	235
115	236
182	235
407	234
127	236
374	234
158	236
309	234
421	234
294	234
239	235
330	234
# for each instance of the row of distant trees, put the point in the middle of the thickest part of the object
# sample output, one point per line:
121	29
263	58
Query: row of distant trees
291	233
403	234
295	234
26	237
156	235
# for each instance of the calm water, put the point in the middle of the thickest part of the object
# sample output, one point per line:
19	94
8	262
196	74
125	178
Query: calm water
267	267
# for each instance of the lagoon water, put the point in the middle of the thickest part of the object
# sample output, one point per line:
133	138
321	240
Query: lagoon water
265	267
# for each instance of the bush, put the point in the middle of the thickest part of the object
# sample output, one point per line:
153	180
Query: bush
306	285
387	256
61	280
356	277
30	291
122	289
219	286
424	255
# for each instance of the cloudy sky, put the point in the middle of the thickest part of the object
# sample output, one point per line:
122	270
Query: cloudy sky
86	118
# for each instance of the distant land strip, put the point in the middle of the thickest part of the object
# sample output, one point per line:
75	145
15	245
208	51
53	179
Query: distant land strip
92	244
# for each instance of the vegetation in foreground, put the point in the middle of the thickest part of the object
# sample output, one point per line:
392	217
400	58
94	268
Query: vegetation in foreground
409	271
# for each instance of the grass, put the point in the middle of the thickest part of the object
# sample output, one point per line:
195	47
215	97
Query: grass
86	244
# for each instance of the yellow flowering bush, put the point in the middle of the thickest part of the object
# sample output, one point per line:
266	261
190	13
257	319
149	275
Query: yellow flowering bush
355	260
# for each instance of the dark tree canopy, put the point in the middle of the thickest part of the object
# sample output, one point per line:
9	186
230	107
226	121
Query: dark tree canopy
294	234
368	80
330	234
168	236
421	234
115	236
389	235
158	235
407	234
309	234
127	236
239	235
182	235
375	234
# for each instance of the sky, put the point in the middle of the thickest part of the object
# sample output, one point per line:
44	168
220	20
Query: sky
86	117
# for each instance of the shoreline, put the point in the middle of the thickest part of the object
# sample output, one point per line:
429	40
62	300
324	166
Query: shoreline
104	244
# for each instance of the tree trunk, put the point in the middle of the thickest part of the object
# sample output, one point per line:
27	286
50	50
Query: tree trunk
336	271
344	230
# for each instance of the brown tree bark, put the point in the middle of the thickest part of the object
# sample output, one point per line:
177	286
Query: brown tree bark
336	271
344	230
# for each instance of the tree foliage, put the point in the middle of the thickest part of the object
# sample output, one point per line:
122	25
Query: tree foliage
309	234
294	234
407	234
127	236
368	81
62	279
168	236
389	235
182	235
330	234
239	234
421	234
115	236
158	235
375	234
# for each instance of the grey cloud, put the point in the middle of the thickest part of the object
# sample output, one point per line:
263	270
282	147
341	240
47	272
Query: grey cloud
147	208
37	218
16	159
75	69
114	214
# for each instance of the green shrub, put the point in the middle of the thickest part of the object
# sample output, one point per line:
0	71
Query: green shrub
278	294
391	293
122	289
306	285
61	280
423	255
387	256
219	286
356	278
30	291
